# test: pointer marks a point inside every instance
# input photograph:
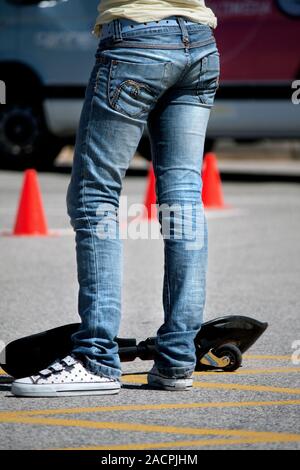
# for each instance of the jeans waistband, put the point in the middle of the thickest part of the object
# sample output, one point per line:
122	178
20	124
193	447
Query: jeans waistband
116	28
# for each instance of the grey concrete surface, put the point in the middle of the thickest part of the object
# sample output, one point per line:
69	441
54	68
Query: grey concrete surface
264	159
253	270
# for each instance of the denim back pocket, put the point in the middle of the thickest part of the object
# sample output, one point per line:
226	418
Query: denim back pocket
134	88
209	78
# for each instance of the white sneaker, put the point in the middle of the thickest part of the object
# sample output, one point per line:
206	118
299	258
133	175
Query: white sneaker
157	380
65	378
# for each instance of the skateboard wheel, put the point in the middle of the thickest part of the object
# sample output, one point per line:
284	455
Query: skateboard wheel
233	354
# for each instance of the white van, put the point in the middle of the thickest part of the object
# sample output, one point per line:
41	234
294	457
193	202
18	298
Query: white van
47	53
46	56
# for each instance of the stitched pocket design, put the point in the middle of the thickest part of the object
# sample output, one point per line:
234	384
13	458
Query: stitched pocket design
135	87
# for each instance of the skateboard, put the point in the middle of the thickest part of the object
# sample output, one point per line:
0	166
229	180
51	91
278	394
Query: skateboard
219	344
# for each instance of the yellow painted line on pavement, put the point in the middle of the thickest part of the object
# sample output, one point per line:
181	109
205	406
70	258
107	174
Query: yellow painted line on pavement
150	428
158	407
142	379
194	443
275	370
252	388
268	357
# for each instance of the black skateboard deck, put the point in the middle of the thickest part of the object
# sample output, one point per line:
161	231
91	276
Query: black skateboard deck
219	345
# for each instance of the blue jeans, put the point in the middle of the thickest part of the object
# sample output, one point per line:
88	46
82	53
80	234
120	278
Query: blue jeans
166	78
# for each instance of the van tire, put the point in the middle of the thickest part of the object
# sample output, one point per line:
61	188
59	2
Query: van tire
24	139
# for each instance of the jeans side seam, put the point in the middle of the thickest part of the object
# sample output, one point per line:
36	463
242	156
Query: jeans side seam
168	285
88	139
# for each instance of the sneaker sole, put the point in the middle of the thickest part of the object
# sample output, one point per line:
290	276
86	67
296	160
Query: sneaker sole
32	391
173	386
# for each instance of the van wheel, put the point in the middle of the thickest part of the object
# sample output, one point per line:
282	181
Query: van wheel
24	140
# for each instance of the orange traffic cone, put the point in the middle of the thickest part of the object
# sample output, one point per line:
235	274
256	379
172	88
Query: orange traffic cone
30	220
150	211
212	194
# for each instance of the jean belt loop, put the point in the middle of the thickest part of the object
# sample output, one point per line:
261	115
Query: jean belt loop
184	31
117	31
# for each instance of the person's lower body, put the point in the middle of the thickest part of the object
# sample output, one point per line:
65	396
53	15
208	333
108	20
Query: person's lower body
168	83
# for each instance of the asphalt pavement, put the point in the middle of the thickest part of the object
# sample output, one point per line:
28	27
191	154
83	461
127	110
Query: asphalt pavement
254	270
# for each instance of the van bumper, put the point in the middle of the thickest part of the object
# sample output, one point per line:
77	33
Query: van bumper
62	115
240	119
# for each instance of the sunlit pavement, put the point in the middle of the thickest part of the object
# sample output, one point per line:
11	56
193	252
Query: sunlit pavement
253	270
